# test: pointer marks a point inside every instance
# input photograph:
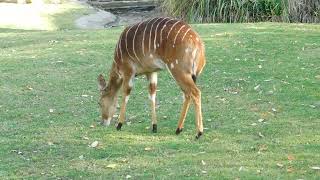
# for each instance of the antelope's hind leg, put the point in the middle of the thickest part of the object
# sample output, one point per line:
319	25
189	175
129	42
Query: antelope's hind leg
152	77
191	92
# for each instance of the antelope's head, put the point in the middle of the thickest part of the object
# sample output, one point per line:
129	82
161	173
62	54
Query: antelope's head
107	102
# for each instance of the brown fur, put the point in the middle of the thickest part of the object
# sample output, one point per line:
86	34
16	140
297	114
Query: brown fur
147	47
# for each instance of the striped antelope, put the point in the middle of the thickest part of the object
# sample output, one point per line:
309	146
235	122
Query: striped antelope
145	48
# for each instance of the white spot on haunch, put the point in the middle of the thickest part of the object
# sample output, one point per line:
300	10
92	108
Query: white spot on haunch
172	45
176	61
171	65
158	45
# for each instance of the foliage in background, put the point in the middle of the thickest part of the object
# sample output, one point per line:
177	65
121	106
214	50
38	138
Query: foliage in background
306	11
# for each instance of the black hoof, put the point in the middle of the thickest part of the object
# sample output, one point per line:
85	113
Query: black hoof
178	131
119	126
154	128
198	135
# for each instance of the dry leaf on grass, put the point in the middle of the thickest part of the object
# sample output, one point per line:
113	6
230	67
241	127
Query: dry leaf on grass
203	163
81	157
85	138
290	157
112	166
147	148
315	168
290	170
280	165
94	144
128	176
261	135
50	143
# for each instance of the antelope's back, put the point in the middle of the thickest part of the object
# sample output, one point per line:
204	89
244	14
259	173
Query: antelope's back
165	37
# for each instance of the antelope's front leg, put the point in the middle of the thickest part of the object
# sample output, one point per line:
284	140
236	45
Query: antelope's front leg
126	87
152	77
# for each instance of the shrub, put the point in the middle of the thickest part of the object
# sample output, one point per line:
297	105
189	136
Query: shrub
243	10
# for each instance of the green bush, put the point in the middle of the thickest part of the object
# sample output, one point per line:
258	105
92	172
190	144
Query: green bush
244	10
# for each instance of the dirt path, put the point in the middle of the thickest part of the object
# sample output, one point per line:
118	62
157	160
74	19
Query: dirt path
103	19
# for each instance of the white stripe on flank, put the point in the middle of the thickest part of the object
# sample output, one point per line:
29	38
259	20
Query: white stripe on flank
165	25
174	42
155	38
172	28
127	42
151	33
134	38
185	34
119	46
144	32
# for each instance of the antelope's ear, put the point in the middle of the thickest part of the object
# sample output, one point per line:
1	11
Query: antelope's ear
102	83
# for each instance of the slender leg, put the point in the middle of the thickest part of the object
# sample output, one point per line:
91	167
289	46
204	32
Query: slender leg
196	97
185	108
126	87
191	90
152	77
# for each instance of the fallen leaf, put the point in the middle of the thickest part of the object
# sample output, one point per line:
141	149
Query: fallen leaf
280	165
290	169
147	148
128	176
92	126
112	166
203	163
84	95
81	157
241	168
315	168
253	124
85	138
290	157
94	144
261	120
204	172
51	110
50	143
261	135
257	87
263	147
259	66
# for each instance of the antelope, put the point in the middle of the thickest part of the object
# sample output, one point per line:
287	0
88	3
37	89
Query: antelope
145	48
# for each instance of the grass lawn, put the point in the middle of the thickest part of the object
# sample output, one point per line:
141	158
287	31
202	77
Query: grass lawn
261	107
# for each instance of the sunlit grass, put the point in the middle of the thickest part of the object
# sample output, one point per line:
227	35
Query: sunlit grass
40	16
268	71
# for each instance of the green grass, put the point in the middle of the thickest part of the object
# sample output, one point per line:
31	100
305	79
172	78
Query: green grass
43	70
